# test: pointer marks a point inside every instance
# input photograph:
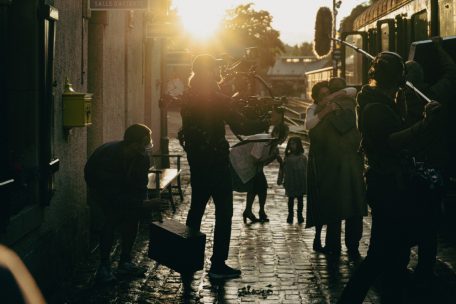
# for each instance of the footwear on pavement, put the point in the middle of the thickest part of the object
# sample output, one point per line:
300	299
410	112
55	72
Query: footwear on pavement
129	268
104	275
223	271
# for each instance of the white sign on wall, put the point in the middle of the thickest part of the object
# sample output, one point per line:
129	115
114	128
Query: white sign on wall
105	5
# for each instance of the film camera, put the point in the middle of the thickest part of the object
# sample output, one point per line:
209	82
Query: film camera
252	95
425	53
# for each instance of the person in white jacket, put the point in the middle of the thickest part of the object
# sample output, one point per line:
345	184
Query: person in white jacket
313	116
248	159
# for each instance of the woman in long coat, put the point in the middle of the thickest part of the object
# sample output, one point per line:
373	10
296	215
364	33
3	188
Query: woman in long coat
336	188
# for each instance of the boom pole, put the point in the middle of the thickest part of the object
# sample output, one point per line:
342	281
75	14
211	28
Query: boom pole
359	50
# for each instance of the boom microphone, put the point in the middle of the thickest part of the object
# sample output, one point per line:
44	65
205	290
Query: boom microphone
323	32
359	50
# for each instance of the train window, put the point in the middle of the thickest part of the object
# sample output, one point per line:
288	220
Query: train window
386	37
353	61
420	26
372	43
447	16
402	38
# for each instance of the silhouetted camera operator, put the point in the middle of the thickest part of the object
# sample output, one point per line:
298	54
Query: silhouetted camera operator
205	110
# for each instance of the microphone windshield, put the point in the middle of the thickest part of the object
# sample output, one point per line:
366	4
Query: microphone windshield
323	32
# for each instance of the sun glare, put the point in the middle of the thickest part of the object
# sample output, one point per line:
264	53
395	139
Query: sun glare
200	18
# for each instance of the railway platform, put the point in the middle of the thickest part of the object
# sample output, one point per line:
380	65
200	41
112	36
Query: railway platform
276	258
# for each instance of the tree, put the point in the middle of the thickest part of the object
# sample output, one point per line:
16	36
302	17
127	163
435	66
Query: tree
242	27
346	24
245	27
305	49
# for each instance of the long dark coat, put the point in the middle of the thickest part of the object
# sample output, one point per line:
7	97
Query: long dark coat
335	183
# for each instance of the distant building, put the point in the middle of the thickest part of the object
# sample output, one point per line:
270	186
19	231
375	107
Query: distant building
288	75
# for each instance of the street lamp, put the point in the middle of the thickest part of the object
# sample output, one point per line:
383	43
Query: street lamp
159	29
163	105
336	6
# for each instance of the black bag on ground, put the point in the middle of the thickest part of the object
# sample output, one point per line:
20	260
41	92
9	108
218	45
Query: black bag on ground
177	246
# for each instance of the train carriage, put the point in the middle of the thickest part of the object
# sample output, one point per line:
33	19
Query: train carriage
405	27
394	25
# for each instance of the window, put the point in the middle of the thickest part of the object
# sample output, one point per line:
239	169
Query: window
402	37
420	26
386	35
384	40
372	44
354	60
447	18
28	159
292	60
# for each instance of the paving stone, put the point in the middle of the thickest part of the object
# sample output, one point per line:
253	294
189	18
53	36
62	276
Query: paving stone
275	255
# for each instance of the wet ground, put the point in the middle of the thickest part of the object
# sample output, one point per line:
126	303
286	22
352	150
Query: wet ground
276	258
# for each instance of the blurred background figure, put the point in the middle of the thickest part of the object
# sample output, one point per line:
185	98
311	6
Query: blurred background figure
279	131
247	160
175	86
293	176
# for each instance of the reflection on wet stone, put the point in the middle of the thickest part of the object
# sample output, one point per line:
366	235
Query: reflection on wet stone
277	262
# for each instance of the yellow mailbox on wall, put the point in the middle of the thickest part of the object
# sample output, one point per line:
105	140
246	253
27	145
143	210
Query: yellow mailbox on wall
77	107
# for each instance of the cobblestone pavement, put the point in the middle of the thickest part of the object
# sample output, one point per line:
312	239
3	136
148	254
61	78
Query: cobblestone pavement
277	262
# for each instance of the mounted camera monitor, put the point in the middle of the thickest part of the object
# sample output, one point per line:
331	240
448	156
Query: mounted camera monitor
425	53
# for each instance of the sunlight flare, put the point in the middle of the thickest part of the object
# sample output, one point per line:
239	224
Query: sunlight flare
201	18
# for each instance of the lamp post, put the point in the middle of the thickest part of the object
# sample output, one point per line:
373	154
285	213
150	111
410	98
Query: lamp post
336	6
163	105
158	32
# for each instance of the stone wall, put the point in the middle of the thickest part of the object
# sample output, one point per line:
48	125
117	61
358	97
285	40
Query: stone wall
103	53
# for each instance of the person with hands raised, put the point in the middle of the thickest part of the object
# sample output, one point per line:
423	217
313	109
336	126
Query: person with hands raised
396	218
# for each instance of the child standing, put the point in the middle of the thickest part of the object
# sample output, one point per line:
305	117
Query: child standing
293	175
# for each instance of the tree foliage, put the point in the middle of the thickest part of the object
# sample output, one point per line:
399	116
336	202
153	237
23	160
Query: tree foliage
346	24
305	49
242	27
246	27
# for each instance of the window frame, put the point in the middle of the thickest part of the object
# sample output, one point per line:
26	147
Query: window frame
391	35
363	60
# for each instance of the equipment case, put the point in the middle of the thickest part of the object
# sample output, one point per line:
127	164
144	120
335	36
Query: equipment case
176	246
